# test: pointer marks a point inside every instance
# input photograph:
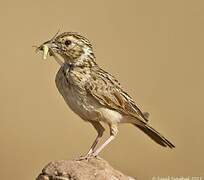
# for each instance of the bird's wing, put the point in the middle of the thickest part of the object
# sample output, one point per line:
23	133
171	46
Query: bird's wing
108	92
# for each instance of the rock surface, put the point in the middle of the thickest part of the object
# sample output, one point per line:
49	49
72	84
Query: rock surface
92	169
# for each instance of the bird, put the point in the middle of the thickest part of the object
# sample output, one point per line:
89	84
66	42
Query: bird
92	93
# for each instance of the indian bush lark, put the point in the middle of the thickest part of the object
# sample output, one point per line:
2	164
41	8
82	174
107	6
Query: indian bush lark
92	93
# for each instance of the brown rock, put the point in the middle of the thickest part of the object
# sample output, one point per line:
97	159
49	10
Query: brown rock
92	169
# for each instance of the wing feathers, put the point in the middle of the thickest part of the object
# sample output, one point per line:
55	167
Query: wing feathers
107	91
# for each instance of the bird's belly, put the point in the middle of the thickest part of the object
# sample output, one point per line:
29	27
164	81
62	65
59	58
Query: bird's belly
110	116
85	105
87	108
77	100
82	105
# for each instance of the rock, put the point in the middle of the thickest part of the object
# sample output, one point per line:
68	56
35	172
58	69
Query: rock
92	169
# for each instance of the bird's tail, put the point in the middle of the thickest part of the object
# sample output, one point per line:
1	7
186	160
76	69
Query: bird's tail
155	136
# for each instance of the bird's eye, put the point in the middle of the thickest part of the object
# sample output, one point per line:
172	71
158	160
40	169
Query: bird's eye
67	42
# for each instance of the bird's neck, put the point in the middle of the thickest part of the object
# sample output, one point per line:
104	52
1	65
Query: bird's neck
87	58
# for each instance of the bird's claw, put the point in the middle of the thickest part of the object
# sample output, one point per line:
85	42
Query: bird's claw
85	157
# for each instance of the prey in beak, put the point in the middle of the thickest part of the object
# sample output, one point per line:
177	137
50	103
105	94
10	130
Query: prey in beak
47	49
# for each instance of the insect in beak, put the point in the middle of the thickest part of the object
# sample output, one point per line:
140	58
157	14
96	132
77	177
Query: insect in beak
44	48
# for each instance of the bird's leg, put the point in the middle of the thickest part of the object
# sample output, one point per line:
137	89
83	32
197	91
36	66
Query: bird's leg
113	133
100	129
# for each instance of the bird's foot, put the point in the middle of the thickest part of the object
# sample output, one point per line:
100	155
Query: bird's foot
85	157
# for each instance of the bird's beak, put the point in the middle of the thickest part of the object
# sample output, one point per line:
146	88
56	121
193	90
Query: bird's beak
49	48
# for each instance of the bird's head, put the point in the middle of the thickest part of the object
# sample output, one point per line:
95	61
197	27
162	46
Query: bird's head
71	47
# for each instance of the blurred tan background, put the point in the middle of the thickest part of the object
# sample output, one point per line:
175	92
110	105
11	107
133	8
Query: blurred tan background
155	49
